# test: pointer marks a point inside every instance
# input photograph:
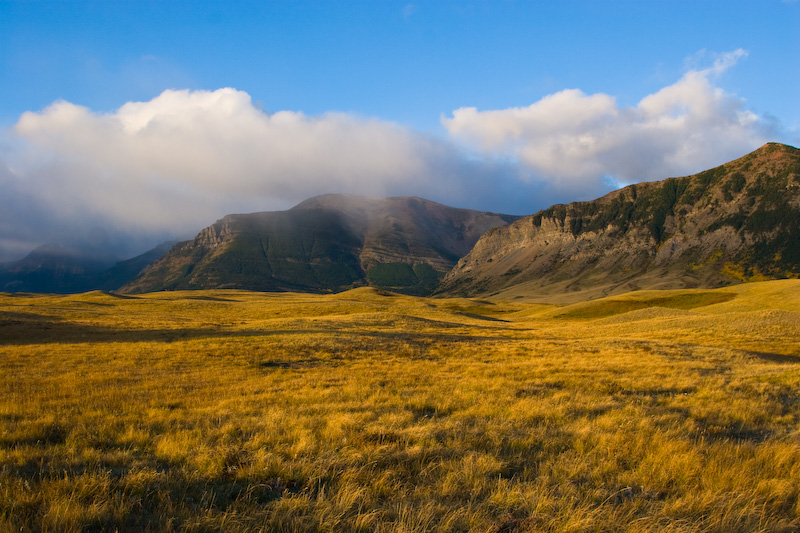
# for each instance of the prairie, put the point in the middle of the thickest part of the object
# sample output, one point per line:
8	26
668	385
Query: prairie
369	411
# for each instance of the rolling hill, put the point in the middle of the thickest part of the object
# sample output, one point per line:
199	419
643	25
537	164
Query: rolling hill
326	243
737	222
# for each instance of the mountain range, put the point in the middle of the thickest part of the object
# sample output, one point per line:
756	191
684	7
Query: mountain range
736	222
733	223
61	270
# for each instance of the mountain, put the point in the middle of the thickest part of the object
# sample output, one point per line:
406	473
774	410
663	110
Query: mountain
737	222
51	268
125	271
56	269
327	243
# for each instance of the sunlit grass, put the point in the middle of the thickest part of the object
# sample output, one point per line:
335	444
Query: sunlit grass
236	411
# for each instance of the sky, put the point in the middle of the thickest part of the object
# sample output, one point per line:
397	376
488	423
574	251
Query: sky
123	124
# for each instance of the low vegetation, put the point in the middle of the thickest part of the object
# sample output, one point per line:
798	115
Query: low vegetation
371	411
419	279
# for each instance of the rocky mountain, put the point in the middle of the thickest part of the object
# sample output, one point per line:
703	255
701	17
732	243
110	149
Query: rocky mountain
326	243
56	269
737	222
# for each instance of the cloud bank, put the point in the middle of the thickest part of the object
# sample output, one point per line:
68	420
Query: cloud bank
188	151
574	141
172	165
178	162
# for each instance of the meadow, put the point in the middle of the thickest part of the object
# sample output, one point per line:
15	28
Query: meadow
668	411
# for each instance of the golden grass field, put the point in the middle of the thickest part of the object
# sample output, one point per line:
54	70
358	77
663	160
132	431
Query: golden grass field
366	411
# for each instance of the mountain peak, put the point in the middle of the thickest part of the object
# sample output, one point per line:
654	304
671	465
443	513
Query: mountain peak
349	202
336	200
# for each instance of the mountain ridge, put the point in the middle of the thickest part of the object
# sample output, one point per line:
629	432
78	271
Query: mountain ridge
736	222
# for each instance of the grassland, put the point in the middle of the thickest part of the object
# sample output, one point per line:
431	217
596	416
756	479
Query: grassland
366	411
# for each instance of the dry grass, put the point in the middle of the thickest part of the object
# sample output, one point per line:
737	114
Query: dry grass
236	411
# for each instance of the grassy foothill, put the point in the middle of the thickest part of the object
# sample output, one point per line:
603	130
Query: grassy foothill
224	410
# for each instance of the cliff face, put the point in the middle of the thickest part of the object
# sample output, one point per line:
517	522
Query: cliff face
330	242
736	222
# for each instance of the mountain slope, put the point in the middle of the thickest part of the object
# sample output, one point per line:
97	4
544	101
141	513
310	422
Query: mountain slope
125	271
51	268
736	222
329	242
59	270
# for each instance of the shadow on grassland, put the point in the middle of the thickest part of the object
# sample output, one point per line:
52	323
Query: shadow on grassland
29	329
773	357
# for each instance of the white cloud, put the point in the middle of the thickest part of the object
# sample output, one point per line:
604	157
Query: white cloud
409	10
178	162
211	143
576	142
184	156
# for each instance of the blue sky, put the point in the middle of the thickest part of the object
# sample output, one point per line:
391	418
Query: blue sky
505	106
406	62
